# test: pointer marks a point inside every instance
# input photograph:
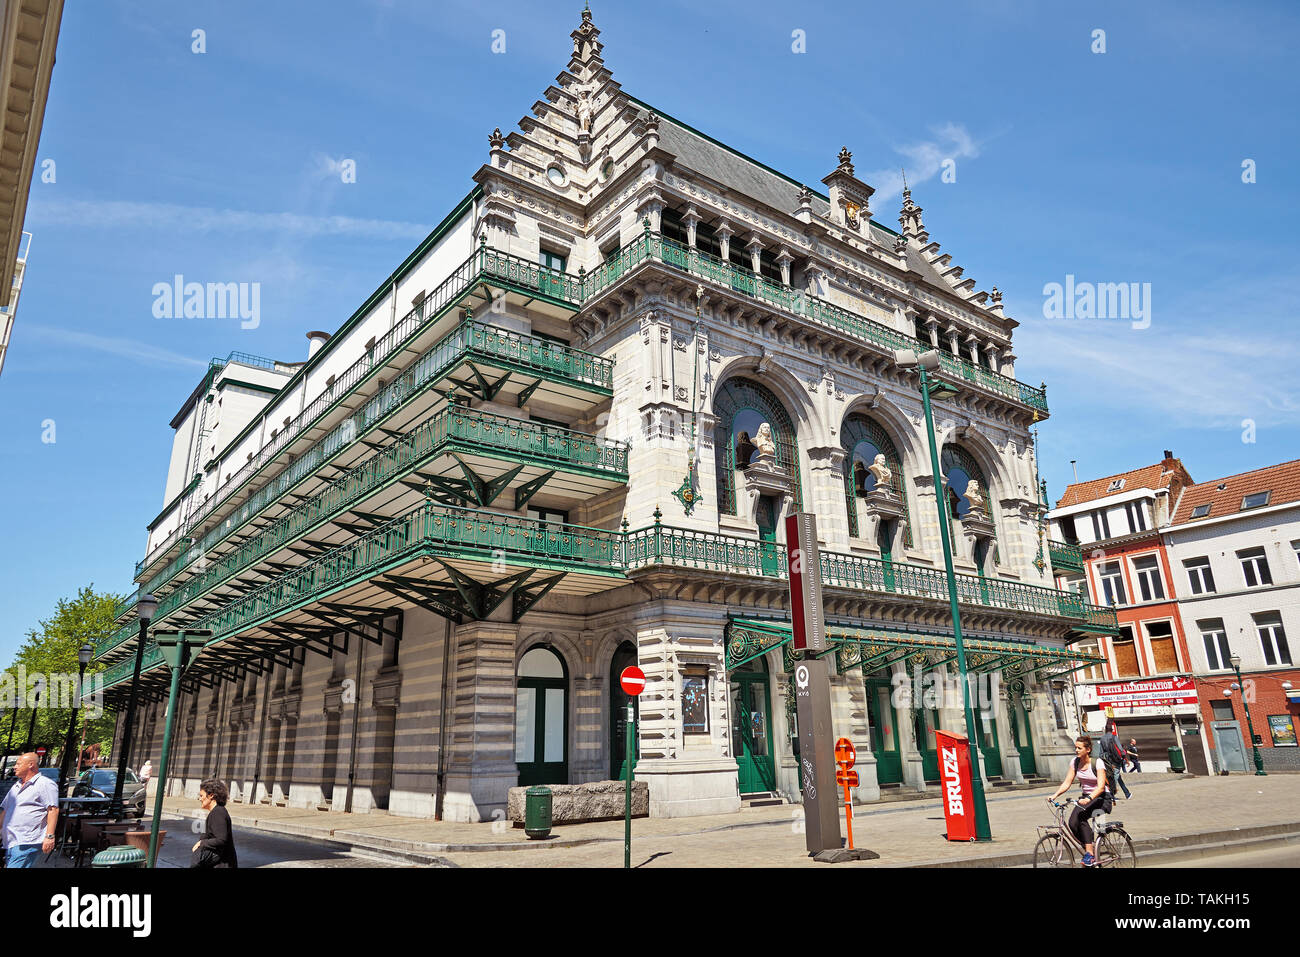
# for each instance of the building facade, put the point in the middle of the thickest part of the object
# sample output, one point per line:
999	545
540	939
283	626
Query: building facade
1234	546
1116	524
560	439
29	34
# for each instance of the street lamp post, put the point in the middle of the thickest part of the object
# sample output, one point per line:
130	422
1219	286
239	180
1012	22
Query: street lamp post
145	607
178	650
1235	661
84	654
925	363
31	725
9	745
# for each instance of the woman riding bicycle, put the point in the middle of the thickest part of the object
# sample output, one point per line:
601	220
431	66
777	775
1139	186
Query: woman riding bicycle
1091	775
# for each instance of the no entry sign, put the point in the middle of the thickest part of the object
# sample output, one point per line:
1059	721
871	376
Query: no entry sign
633	680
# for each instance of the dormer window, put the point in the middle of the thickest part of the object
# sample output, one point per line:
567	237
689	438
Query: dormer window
1201	511
1255	500
1115	485
556	174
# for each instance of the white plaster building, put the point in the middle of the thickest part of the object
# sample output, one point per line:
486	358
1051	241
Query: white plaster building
1234	545
532	457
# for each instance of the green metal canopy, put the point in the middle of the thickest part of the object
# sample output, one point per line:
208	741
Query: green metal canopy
858	645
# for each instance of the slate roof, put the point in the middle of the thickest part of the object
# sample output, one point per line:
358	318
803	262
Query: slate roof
1282	480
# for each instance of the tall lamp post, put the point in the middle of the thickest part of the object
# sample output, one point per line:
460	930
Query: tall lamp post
144	608
31	725
9	745
84	654
1235	661
925	363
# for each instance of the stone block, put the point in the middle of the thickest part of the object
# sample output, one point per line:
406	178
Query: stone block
579	803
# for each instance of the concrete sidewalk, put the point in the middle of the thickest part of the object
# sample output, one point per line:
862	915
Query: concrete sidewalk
1166	811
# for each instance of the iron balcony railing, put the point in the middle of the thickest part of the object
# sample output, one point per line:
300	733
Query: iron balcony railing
470	340
465	533
654	246
667	545
481	535
1065	555
483	264
454	426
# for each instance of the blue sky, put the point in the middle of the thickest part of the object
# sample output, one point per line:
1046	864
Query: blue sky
1122	166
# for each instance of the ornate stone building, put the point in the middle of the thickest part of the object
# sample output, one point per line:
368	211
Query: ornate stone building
560	439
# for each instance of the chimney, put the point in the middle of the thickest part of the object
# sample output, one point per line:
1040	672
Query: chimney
317	339
1168	454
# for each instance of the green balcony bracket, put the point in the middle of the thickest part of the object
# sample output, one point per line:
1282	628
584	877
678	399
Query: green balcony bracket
480	387
526	598
438	599
527	393
484	491
529	489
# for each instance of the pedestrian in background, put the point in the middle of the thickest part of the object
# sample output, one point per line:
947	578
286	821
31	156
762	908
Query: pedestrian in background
217	846
1112	754
29	814
1135	766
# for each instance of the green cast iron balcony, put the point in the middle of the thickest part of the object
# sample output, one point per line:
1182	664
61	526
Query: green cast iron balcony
453	428
453	533
1065	556
484	265
654	246
469	341
667	545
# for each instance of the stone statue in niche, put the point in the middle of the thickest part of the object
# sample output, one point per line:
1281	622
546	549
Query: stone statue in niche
884	477
974	497
764	441
584	111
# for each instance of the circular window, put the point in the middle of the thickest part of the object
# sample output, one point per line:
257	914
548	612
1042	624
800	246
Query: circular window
606	170
557	176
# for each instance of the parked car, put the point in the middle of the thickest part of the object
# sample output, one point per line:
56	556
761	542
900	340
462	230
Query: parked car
100	782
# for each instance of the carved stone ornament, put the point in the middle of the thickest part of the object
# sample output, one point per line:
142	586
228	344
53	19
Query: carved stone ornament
764	441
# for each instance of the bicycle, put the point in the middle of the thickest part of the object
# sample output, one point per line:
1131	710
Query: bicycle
1057	846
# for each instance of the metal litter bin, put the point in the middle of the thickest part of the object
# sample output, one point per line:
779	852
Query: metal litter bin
1176	762
537	812
123	855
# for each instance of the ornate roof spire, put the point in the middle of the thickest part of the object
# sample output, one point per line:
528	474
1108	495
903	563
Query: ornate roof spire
909	218
586	40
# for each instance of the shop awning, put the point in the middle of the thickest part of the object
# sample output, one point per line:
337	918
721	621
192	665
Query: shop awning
859	645
1293	695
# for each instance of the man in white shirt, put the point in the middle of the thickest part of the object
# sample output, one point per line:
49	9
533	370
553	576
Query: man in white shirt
28	814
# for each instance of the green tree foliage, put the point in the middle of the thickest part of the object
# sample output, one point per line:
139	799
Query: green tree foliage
50	652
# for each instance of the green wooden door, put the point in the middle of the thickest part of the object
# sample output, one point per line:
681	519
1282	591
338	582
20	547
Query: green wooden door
767	535
885	540
1023	736
625	656
988	742
751	728
884	731
541	719
926	721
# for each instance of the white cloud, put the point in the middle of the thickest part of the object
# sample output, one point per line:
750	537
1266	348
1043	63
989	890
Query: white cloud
115	345
115	214
924	159
1208	380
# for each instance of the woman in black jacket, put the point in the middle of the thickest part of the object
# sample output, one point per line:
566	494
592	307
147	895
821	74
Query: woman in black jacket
217	847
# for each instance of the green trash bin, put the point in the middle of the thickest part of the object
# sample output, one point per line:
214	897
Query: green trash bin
537	812
122	855
1176	762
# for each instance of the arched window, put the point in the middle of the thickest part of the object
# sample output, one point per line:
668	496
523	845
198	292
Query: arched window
863	439
541	718
959	469
742	406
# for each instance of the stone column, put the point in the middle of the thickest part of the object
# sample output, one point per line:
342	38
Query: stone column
825	494
481	766
991	353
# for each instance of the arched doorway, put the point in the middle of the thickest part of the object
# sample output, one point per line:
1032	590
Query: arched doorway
623	657
883	721
751	727
863	439
541	718
959	470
